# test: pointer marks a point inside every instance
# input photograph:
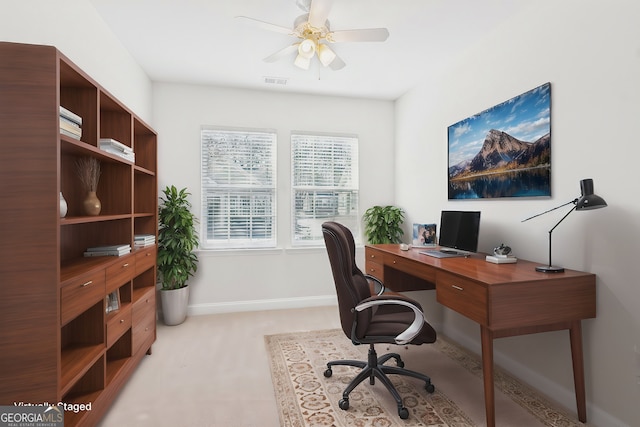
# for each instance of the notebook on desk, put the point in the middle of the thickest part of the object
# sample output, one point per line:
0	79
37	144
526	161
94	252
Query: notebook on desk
444	253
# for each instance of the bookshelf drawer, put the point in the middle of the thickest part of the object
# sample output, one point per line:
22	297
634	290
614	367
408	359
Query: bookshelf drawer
118	324
145	259
80	294
144	324
120	272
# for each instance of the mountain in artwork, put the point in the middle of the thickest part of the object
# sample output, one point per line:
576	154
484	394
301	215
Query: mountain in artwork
502	152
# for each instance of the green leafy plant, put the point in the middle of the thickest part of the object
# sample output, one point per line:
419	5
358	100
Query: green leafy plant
177	239
382	224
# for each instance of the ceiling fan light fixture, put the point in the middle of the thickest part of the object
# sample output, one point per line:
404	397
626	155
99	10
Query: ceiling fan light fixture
302	62
307	48
325	54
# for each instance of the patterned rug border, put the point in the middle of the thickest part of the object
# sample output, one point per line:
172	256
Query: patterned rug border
444	412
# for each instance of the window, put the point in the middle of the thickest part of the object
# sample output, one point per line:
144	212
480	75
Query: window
324	185
238	188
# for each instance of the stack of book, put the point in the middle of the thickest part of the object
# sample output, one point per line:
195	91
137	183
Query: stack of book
70	123
144	240
119	149
113	250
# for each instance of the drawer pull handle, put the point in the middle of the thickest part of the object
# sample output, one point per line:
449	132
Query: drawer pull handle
125	265
457	287
148	254
394	261
121	320
84	285
146	329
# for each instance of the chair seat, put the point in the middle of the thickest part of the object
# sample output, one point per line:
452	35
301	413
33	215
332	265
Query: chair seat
390	321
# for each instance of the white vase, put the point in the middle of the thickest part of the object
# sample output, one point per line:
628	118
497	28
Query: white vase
63	206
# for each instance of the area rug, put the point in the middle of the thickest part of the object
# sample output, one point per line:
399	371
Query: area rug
306	398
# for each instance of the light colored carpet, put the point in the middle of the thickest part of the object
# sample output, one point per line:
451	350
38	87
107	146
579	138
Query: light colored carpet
306	398
214	371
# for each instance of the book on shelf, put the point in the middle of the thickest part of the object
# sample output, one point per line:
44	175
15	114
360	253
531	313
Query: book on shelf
71	116
69	134
128	156
106	253
70	127
151	237
121	247
115	145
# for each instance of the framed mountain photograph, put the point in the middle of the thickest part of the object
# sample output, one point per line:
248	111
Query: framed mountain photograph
504	151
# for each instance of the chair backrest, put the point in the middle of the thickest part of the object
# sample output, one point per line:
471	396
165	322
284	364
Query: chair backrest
351	285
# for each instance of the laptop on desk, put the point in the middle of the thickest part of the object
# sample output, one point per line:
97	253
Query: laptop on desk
444	253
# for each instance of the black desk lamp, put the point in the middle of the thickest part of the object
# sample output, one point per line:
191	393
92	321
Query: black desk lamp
586	202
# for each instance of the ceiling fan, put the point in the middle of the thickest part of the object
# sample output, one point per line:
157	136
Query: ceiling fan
314	35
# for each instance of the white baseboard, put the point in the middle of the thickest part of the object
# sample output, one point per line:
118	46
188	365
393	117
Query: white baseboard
259	305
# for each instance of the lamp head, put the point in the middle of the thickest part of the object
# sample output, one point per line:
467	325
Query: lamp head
589	200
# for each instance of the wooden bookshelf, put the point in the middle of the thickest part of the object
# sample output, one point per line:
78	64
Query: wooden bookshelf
58	343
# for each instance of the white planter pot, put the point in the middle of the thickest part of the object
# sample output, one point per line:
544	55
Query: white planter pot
174	305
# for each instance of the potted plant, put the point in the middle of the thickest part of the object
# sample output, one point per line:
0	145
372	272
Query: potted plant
177	261
382	224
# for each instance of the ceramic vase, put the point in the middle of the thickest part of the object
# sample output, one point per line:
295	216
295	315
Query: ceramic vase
63	206
92	205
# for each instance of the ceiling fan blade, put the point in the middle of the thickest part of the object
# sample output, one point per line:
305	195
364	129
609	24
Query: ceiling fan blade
364	35
267	26
282	53
337	64
319	11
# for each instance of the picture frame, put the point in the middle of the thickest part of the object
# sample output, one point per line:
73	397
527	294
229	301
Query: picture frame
112	301
424	235
504	151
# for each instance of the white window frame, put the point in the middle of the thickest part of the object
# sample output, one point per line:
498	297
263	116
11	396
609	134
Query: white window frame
237	183
317	197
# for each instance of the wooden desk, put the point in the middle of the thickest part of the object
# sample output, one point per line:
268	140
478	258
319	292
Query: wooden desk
504	299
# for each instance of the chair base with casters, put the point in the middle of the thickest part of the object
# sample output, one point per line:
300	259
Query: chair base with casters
374	368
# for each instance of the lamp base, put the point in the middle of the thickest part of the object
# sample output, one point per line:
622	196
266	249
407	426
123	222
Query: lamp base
549	269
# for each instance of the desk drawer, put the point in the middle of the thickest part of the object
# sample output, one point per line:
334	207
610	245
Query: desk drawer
465	296
374	269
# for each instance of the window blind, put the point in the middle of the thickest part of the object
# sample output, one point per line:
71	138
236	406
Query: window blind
239	188
324	185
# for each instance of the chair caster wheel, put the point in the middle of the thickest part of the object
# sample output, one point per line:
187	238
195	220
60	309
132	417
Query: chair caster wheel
344	404
430	388
328	372
403	413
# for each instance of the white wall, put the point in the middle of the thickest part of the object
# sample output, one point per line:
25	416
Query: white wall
284	277
590	52
76	29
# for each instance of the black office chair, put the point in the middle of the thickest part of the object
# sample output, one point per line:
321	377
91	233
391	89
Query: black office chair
387	318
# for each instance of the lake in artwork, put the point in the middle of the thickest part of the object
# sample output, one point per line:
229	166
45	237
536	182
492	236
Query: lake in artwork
520	183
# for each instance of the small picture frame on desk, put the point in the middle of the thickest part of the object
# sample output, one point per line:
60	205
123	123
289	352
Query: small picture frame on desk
112	301
424	235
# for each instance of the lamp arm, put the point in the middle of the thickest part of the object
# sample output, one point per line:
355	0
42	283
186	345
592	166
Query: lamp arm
574	201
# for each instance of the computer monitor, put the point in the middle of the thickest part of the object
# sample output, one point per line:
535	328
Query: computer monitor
459	230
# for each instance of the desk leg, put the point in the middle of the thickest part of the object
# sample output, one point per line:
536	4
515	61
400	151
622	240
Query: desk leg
575	334
487	371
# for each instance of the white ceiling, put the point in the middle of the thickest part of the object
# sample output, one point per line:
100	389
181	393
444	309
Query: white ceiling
201	41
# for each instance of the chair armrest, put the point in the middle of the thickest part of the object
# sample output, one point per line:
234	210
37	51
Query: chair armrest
377	281
413	330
